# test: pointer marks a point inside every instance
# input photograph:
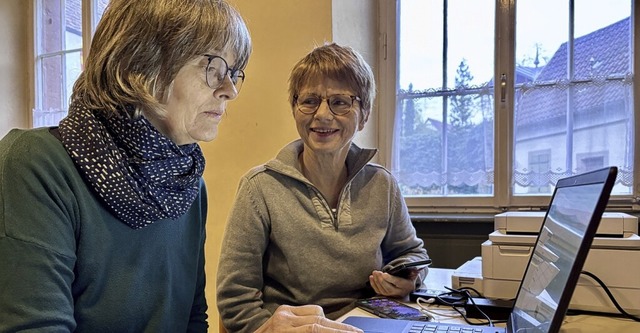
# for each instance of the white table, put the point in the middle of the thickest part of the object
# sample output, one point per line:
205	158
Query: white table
438	278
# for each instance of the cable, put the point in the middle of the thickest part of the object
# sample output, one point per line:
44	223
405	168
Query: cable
430	301
462	296
478	294
613	299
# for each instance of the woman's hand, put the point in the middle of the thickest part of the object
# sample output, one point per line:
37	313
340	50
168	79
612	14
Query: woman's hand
305	318
392	286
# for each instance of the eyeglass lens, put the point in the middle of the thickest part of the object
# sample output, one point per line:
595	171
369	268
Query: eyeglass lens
216	71
338	104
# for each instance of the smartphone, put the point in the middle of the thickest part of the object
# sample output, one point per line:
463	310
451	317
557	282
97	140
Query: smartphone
402	270
389	308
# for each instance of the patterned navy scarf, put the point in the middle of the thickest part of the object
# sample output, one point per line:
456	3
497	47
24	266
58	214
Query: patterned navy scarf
140	174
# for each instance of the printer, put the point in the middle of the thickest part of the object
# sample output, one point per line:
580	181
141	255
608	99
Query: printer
614	257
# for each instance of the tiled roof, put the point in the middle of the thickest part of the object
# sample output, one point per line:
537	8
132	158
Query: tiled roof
526	74
600	54
73	14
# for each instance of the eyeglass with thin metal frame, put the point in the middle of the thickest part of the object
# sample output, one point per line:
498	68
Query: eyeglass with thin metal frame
216	70
339	104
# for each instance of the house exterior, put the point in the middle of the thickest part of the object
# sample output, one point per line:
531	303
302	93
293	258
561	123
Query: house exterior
565	126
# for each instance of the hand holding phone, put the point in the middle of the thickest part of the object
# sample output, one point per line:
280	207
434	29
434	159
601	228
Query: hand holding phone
403	270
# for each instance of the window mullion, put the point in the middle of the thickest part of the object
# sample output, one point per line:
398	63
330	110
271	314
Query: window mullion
504	105
88	23
635	26
445	98
63	58
570	78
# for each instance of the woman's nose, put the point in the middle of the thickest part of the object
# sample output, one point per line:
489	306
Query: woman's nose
227	89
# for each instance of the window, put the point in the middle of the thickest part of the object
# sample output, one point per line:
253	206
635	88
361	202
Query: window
591	161
445	108
539	166
495	101
59	48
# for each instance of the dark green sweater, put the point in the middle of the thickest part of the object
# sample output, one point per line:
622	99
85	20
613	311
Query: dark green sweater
67	264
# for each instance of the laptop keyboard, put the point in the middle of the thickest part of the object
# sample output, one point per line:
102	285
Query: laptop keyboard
441	328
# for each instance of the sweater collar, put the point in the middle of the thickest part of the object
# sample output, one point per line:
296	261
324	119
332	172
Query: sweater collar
287	162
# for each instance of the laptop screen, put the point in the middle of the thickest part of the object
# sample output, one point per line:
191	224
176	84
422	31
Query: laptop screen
559	244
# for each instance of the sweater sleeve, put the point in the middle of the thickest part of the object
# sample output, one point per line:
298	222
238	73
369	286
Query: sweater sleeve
401	244
240	269
37	238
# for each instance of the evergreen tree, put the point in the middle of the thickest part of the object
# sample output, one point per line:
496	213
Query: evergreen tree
409	115
464	140
462	106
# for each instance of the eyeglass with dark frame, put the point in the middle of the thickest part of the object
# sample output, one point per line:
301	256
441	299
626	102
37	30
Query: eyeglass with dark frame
339	104
216	70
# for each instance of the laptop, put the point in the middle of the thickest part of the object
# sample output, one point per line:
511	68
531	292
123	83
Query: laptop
552	273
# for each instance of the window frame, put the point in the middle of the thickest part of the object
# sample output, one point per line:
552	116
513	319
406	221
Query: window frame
89	22
503	198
